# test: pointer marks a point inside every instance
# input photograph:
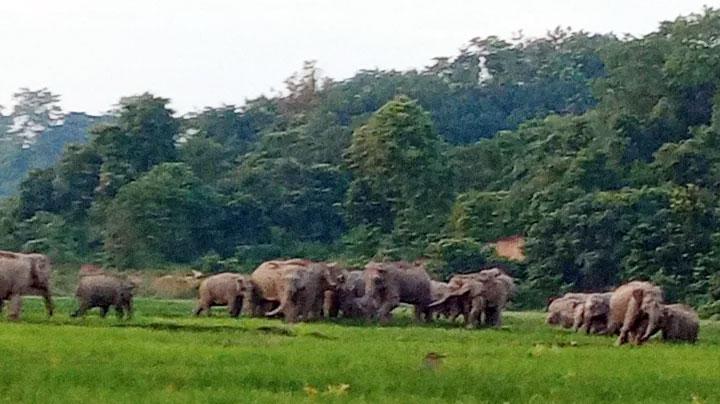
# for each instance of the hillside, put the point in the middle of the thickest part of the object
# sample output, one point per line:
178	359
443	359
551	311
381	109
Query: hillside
601	152
16	162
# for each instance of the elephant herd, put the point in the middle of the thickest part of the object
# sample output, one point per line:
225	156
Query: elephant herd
634	311
304	290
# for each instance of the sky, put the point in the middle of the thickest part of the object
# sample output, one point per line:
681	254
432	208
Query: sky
212	52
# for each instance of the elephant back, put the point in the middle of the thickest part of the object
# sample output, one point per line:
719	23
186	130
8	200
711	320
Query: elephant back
267	278
104	288
414	285
221	286
621	296
15	274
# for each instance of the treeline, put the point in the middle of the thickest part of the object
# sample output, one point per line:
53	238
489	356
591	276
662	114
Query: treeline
603	152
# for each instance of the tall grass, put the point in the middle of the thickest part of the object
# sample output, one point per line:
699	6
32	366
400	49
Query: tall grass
164	355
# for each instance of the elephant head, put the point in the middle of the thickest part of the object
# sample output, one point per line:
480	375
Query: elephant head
376	275
331	275
292	284
651	305
458	286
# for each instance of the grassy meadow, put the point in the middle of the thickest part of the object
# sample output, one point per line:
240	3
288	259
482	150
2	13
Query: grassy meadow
164	355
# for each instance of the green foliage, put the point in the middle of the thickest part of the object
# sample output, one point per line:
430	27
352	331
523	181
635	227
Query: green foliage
602	152
164	215
459	256
484	216
400	177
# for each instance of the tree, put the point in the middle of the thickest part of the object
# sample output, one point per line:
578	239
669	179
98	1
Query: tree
165	215
142	136
400	177
33	113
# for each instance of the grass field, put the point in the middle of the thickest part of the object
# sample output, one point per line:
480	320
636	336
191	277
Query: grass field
163	355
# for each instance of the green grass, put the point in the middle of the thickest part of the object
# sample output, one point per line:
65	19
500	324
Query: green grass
164	355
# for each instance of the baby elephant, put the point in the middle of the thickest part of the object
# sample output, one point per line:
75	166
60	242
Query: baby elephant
679	323
226	289
561	311
104	291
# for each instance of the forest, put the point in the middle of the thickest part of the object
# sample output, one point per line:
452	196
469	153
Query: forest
602	151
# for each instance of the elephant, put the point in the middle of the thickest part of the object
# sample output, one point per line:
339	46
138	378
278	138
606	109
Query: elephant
452	307
561	311
387	284
104	291
486	293
24	274
592	314
302	289
678	322
264	294
225	289
347	299
630	304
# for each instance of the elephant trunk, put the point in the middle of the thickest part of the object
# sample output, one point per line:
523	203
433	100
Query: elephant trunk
441	301
653	325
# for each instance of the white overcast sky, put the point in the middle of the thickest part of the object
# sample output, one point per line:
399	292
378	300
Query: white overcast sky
208	52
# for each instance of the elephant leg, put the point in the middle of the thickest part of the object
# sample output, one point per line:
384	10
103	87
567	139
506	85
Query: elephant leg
331	305
629	322
199	309
313	309
613	328
291	313
475	313
493	316
15	306
128	309
81	310
235	306
49	305
1	305
427	313
385	310
104	311
119	311
418	313
250	306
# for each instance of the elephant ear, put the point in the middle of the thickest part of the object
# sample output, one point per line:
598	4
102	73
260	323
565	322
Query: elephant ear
241	285
464	288
638	295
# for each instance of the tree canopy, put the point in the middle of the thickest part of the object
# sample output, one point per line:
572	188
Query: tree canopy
601	152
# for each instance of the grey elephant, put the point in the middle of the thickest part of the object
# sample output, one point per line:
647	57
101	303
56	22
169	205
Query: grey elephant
629	305
24	274
592	314
561	311
264	293
105	291
225	289
486	293
452	307
678	322
387	284
302	289
347	299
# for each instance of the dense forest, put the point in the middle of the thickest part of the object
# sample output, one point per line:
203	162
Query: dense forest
604	152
